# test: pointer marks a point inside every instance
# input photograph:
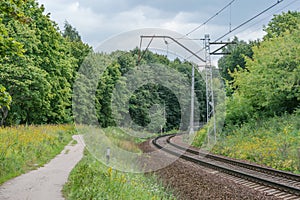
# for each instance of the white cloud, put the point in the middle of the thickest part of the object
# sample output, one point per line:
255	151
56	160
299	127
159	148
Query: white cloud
74	6
137	17
250	35
83	18
97	20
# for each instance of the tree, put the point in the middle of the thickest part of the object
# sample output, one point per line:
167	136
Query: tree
270	81
71	33
104	92
280	24
5	101
30	90
8	45
236	59
36	65
77	48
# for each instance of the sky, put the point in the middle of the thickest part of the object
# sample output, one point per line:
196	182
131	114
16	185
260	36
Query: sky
99	20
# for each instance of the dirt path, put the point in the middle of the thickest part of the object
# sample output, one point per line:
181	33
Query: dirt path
46	182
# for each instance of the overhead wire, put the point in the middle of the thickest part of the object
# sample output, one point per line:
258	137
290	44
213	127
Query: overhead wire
230	29
277	11
239	26
209	19
230	18
252	18
195	53
204	23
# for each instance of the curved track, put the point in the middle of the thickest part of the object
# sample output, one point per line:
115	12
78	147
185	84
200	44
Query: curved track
283	184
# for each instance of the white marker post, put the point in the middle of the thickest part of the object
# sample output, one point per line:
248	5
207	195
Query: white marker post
107	155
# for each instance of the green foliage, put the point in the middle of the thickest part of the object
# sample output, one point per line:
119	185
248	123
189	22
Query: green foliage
5	98
71	33
238	109
280	24
261	110
104	92
269	84
85	85
77	48
109	71
5	101
269	141
200	137
37	64
8	45
23	148
93	180
236	59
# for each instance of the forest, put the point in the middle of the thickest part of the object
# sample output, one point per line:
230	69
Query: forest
39	64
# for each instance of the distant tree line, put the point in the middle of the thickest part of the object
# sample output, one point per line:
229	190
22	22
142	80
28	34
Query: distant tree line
117	65
39	65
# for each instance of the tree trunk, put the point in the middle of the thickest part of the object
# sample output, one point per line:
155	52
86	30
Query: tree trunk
4	113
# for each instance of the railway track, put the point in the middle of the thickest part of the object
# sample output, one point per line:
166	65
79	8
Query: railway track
273	182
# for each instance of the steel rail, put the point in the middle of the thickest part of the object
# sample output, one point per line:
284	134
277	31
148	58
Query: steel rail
265	170
234	172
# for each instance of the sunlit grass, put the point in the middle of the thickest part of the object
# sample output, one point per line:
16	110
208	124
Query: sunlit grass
27	147
274	142
91	179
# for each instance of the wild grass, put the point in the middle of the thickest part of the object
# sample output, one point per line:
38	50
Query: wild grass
23	148
274	142
91	179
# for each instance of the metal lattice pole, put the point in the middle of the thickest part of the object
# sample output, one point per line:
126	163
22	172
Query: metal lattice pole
210	104
192	101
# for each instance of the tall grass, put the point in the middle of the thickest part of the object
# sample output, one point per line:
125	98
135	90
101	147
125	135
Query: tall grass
91	179
27	147
274	142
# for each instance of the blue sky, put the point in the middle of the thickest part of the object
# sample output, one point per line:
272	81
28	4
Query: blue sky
97	20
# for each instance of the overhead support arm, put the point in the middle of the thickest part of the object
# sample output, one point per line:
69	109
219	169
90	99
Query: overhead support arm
174	40
224	44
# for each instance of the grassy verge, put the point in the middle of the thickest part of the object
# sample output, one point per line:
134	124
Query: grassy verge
274	142
91	179
23	148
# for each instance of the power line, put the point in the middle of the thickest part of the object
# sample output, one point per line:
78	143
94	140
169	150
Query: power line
204	23
239	26
195	53
257	15
216	14
209	19
263	19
